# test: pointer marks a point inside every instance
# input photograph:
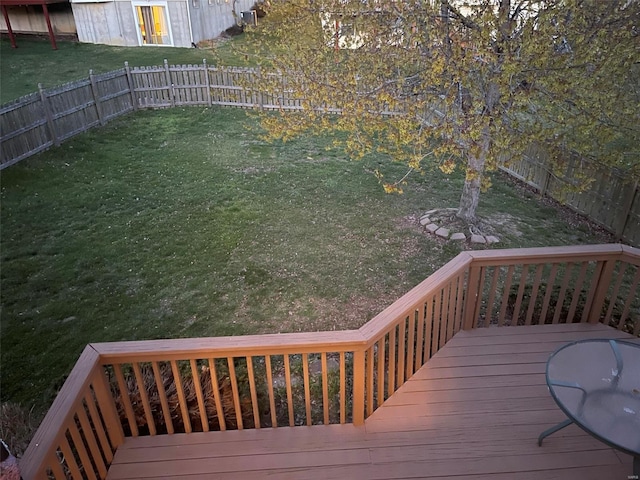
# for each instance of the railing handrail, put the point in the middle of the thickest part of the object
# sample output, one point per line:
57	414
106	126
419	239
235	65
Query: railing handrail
575	252
465	265
271	344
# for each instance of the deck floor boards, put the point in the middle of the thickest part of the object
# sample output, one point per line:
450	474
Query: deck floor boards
474	410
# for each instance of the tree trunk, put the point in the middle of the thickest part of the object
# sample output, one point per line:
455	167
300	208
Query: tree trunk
473	181
470	197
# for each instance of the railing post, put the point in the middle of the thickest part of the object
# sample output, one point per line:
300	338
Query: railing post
134	101
358	386
603	284
167	73
107	408
96	97
48	115
472	298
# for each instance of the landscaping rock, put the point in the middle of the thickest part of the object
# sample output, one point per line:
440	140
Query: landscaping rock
458	236
443	232
432	227
492	239
425	220
478	239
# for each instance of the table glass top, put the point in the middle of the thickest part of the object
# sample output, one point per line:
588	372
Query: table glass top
597	384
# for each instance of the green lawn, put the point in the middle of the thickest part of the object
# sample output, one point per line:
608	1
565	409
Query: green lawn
35	62
182	222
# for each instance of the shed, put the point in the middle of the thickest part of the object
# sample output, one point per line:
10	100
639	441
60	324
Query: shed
178	23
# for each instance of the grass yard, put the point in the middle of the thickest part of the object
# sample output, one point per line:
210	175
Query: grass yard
35	62
179	223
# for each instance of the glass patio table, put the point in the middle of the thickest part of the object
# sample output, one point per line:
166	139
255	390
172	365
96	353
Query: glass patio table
596	383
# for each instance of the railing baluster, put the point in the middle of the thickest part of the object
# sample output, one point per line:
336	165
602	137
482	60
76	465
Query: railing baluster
236	394
382	362
488	316
80	449
450	302
459	304
419	337
630	298
144	399
100	432
505	295
391	387
307	391
343	388
216	394
563	289
181	398
166	412
402	327
437	321
614	296
69	459
521	288
126	401
534	294
90	437
591	301
325	389
204	420
369	380
577	291
287	379
272	400
551	281
253	392
428	329
56	467
411	345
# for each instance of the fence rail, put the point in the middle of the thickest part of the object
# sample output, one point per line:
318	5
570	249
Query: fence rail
48	117
155	387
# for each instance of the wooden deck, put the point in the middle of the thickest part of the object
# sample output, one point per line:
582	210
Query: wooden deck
474	410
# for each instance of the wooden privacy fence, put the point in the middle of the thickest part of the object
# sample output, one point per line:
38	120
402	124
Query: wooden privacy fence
611	201
155	387
35	122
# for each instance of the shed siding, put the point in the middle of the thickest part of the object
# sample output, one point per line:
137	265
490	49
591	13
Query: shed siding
110	23
210	18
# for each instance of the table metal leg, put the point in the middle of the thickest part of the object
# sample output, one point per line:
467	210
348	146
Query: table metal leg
548	432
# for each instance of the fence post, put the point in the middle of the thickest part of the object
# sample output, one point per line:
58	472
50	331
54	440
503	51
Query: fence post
96	97
47	112
358	386
207	81
167	73
132	91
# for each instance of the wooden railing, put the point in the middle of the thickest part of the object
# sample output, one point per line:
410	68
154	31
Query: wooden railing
157	387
